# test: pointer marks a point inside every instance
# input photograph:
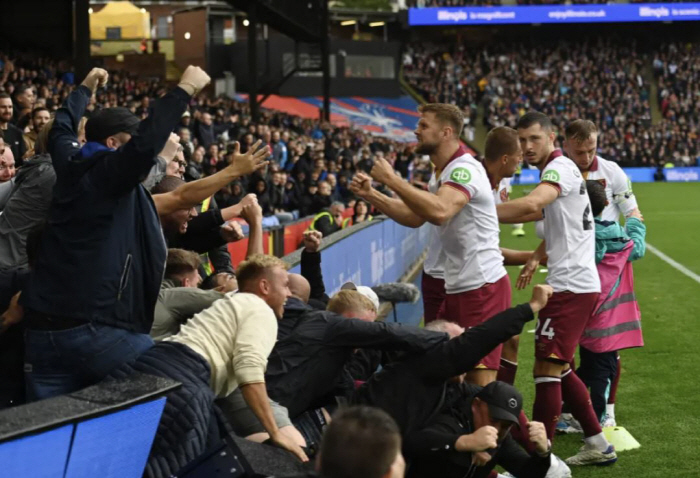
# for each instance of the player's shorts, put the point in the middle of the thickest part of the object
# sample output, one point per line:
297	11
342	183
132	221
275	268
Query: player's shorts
561	323
474	307
433	291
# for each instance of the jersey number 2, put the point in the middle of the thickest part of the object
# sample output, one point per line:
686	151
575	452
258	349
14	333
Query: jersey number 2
587	223
546	330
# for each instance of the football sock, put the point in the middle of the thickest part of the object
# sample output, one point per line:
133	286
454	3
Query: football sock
579	401
547	405
507	371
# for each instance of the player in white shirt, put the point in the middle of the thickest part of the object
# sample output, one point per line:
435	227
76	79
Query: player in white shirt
581	144
502	156
460	201
570	249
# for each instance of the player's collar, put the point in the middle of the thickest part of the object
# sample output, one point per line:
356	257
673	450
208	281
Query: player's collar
554	154
461	151
494	185
594	164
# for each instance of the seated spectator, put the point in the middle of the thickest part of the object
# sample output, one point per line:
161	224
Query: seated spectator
7	164
360	214
11	134
39	118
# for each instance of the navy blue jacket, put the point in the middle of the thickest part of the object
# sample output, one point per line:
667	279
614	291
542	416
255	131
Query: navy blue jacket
103	254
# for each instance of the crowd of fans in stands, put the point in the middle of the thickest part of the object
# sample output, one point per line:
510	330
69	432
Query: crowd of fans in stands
604	81
312	162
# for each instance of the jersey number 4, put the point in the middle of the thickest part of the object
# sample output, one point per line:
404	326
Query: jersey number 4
546	330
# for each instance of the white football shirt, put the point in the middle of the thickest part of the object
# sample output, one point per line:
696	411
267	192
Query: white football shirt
569	230
618	188
434	264
470	238
502	192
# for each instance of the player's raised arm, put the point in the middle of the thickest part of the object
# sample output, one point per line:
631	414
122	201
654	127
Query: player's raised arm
530	207
434	208
361	186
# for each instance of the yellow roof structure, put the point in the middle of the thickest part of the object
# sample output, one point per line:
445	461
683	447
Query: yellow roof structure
133	22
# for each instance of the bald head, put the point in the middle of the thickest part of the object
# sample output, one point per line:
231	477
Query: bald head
300	287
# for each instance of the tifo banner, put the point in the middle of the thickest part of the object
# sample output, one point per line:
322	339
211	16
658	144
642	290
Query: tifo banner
636	175
639	12
393	118
379	253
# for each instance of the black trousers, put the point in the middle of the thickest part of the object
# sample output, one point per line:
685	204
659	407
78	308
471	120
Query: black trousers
597	371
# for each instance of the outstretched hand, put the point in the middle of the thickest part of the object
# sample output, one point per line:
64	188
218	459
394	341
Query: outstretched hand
253	160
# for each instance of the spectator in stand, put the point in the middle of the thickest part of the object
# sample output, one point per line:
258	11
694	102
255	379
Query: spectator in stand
204	131
40	116
25	97
329	220
7	164
12	135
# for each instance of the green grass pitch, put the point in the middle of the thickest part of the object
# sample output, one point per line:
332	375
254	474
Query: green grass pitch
658	400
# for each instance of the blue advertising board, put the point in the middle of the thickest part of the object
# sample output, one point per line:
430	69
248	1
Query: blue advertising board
598	13
636	175
377	254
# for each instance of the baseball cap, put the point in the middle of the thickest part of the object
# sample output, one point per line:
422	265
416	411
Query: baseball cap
110	121
364	290
504	401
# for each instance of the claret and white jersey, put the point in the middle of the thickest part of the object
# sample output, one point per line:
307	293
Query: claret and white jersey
618	188
569	230
502	192
434	264
470	238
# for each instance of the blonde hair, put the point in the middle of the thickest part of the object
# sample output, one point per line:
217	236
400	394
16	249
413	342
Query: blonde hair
580	130
348	301
256	266
445	113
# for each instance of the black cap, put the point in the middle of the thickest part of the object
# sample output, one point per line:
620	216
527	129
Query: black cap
110	121
504	401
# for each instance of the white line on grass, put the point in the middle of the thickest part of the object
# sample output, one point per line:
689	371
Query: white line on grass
679	267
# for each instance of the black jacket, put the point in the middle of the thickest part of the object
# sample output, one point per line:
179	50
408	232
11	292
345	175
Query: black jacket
413	390
102	255
303	367
14	138
431	452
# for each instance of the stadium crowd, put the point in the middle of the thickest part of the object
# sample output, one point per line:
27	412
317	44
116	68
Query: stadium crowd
119	197
603	80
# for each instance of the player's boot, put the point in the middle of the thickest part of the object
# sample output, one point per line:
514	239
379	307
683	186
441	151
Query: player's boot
567	424
589	455
608	421
557	469
518	231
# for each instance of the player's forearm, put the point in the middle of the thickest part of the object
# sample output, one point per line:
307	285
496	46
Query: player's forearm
517	211
424	204
511	257
255	238
540	253
255	395
394	208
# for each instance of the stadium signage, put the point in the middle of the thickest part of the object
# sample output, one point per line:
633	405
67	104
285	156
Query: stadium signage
650	12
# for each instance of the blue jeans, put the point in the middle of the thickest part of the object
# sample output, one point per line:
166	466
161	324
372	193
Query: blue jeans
64	361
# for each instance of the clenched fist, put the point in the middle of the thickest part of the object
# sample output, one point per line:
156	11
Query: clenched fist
95	79
193	80
540	295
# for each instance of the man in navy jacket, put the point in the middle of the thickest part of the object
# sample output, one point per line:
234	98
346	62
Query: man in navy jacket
90	299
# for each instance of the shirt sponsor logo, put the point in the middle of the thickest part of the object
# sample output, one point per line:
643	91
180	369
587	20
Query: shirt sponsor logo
551	176
504	195
461	176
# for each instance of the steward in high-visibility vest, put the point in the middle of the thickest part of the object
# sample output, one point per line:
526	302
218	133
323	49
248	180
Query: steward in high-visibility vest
329	220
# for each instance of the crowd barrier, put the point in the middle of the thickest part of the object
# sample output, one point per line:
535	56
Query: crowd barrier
636	175
105	430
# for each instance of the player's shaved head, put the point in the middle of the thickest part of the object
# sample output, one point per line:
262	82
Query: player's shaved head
501	141
300	287
535	117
